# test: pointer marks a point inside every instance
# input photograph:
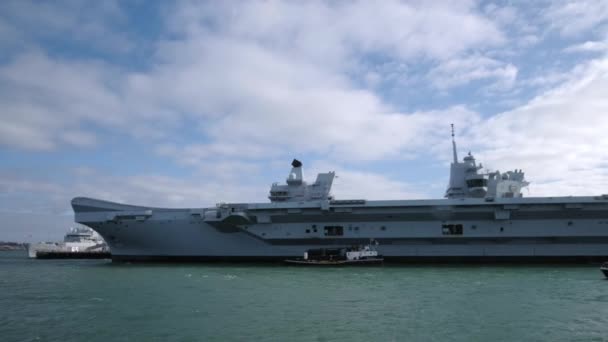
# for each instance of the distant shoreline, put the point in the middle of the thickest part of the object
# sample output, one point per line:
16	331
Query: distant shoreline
12	246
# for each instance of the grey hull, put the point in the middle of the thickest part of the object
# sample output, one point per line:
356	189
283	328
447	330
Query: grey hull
516	229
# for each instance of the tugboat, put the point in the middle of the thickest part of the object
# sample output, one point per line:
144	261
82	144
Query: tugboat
604	269
356	255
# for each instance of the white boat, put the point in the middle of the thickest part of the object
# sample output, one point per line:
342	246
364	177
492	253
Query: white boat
79	242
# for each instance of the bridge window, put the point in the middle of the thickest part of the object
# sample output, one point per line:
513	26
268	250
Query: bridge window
451	229
476	183
334	230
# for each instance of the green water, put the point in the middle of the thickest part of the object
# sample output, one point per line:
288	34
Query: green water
91	300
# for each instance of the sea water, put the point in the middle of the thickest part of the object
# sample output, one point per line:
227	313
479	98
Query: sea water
96	300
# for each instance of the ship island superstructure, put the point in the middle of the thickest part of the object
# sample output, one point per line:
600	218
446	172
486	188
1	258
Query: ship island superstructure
484	216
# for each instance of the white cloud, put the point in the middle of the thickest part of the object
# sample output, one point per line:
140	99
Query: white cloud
547	79
94	25
45	103
15	183
41	98
23	135
326	32
260	74
559	137
519	21
351	183
528	40
589	46
572	18
460	71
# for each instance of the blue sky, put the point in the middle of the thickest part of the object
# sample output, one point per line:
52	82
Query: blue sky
191	103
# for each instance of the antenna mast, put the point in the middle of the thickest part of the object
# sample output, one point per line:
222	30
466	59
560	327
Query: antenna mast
454	146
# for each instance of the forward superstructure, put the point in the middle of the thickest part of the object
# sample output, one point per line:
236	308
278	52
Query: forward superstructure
483	217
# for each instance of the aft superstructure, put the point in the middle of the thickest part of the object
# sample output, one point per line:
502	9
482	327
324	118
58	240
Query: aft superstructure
467	182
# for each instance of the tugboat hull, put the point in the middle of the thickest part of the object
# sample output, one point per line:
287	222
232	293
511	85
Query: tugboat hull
362	262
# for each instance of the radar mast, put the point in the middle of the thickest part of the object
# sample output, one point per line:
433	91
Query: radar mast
454	146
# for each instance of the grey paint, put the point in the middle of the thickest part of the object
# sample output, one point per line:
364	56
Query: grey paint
473	221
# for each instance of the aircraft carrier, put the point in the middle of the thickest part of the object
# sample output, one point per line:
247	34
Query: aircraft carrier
483	217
